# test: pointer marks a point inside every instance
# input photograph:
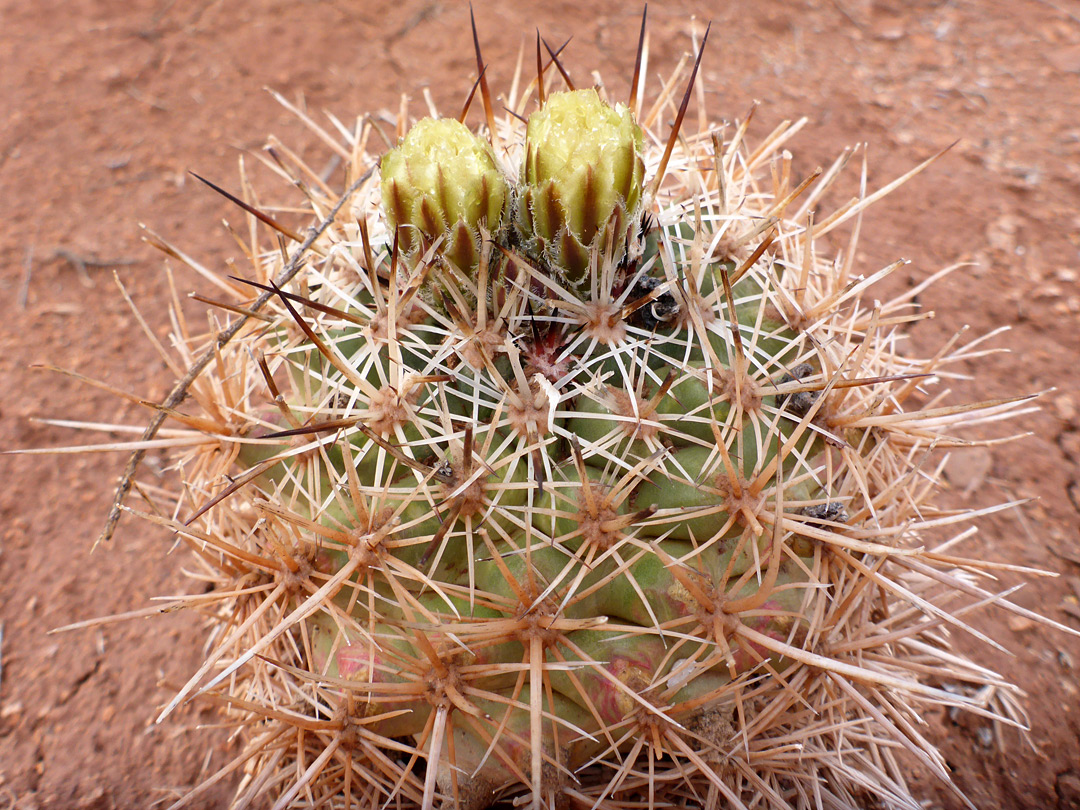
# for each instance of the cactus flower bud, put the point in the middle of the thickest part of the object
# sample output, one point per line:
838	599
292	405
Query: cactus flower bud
581	180
443	181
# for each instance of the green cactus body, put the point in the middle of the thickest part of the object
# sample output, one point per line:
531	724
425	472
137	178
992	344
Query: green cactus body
567	507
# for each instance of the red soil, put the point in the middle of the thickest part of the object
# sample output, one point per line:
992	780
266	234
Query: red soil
108	104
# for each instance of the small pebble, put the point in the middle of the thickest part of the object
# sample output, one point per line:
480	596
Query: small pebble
1019	623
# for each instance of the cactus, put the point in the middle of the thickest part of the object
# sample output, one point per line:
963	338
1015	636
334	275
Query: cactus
626	503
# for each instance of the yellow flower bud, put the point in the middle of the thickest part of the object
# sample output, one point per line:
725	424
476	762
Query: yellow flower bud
443	181
581	180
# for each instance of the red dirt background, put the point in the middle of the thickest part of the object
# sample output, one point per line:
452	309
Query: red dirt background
107	105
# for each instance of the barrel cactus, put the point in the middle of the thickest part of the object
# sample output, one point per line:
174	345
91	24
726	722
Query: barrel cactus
561	464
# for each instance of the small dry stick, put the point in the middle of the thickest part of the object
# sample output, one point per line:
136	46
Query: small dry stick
81	263
180	389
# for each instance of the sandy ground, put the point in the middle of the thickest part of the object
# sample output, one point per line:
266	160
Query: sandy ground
107	105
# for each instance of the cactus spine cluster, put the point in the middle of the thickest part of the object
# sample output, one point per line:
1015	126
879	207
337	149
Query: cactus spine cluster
570	471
